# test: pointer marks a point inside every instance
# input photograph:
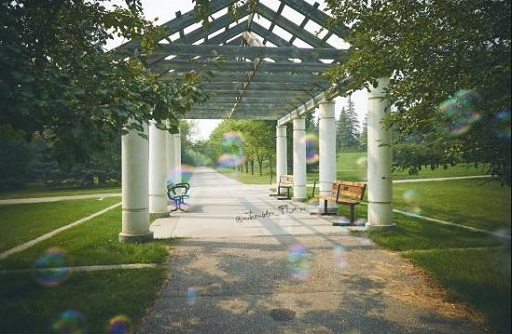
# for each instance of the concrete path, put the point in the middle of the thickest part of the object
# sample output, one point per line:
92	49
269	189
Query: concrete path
246	262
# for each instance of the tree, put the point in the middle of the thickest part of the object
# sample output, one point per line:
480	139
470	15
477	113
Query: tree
59	82
363	136
449	64
347	128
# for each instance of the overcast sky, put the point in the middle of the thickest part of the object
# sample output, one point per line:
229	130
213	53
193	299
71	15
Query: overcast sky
165	10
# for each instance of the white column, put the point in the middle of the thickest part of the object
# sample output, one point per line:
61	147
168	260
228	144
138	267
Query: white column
299	159
281	152
380	184
327	149
177	157
135	189
171	158
157	170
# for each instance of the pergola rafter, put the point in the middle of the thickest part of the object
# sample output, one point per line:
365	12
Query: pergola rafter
256	71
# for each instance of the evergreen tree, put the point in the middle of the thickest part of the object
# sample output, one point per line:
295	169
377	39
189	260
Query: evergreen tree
347	129
363	136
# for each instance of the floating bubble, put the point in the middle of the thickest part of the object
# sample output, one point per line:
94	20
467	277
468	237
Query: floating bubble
360	222
191	296
412	199
232	139
362	163
178	174
69	321
311	141
120	324
339	256
230	160
298	262
232	148
187	171
342	221
52	267
502	122
461	111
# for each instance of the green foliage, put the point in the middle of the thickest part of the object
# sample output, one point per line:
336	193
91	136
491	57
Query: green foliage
450	69
15	161
59	82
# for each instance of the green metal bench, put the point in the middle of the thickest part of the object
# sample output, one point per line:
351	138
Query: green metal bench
177	193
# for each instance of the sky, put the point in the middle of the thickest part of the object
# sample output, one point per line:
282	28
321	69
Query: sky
165	10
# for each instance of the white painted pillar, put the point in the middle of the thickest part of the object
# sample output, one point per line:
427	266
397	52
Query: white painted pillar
327	150
177	157
157	170
299	159
380	184
281	152
171	158
135	189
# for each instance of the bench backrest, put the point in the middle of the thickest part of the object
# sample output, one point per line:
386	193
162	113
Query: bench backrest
348	189
286	181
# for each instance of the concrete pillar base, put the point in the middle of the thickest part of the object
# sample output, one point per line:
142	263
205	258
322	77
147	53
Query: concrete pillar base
299	199
134	238
380	215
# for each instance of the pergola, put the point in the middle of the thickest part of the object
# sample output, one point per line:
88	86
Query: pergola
266	63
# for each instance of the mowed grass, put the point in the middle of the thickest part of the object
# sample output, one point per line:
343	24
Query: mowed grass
38	301
473	266
23	222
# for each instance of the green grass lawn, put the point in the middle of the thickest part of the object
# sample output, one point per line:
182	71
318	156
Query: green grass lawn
86	301
473	266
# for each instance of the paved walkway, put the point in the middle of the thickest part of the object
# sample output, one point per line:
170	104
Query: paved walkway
246	262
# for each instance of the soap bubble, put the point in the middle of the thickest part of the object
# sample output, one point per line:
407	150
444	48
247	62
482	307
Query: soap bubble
412	199
120	324
298	262
69	321
461	112
52	267
191	296
311	141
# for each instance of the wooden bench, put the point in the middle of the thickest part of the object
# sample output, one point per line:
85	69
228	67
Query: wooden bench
177	192
346	193
285	182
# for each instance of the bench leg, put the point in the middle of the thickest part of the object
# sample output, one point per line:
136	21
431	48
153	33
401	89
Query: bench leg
325	213
352	214
177	204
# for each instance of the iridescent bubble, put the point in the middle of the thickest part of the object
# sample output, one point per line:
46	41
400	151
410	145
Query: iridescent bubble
412	199
360	222
178	174
461	111
120	324
298	262
362	163
230	160
361	167
342	221
232	139
187	171
339	256
232	148
502	124
52	267
69	321
311	141
191	296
